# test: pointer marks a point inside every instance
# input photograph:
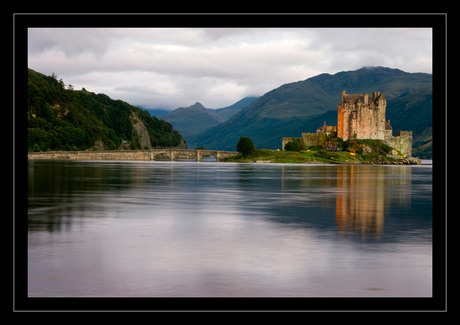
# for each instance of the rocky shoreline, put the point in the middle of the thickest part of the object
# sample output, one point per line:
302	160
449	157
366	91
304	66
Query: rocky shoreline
403	161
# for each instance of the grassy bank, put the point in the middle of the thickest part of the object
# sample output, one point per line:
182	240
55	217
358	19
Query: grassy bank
315	157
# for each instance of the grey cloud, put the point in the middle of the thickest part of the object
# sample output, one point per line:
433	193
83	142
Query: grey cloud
357	47
70	41
177	67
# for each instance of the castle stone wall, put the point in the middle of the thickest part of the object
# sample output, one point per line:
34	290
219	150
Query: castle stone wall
314	139
402	142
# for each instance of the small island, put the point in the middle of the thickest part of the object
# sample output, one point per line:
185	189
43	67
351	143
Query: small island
366	154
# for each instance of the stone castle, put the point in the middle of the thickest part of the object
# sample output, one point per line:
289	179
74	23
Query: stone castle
360	117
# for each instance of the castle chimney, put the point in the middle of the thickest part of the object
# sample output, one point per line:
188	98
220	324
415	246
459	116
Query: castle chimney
343	96
366	99
376	94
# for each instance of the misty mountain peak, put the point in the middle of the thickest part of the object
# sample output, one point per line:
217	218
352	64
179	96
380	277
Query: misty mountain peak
197	105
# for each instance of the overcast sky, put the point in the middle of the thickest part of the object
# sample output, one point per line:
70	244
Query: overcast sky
176	67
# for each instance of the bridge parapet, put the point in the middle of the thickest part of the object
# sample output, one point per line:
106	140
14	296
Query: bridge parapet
139	155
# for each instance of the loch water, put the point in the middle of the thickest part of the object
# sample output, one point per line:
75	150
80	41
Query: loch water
209	229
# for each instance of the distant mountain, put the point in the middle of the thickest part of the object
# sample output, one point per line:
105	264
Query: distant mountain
193	120
157	112
60	118
302	106
227	112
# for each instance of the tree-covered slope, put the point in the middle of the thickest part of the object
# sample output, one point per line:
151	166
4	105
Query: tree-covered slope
60	118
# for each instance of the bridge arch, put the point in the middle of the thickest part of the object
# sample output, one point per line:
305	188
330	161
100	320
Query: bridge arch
161	156
208	157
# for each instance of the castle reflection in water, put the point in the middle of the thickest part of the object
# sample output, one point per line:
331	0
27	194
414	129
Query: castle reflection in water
362	195
361	199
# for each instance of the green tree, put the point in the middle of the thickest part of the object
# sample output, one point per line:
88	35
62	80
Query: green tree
245	146
290	146
295	145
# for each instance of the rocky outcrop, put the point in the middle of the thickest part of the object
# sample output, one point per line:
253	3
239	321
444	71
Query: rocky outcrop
124	145
141	132
99	145
412	161
182	145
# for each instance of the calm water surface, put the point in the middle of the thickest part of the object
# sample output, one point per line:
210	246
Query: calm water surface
187	229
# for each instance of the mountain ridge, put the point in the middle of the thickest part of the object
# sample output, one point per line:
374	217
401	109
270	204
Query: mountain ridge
195	119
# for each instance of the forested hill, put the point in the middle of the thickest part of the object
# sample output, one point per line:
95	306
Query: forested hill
61	118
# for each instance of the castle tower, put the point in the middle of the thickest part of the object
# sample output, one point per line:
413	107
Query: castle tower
361	116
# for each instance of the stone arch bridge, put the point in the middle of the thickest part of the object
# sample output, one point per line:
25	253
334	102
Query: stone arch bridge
140	155
176	154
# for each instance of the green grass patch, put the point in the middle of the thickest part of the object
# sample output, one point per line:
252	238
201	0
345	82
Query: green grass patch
312	157
274	156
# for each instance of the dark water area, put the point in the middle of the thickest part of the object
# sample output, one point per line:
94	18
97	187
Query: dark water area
188	229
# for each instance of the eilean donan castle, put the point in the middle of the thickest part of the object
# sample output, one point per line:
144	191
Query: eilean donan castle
360	117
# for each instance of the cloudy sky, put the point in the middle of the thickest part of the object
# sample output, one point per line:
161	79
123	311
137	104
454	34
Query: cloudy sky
176	67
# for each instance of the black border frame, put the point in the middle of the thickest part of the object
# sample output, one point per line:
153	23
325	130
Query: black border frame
438	23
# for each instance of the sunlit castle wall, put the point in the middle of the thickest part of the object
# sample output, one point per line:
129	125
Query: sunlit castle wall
361	116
